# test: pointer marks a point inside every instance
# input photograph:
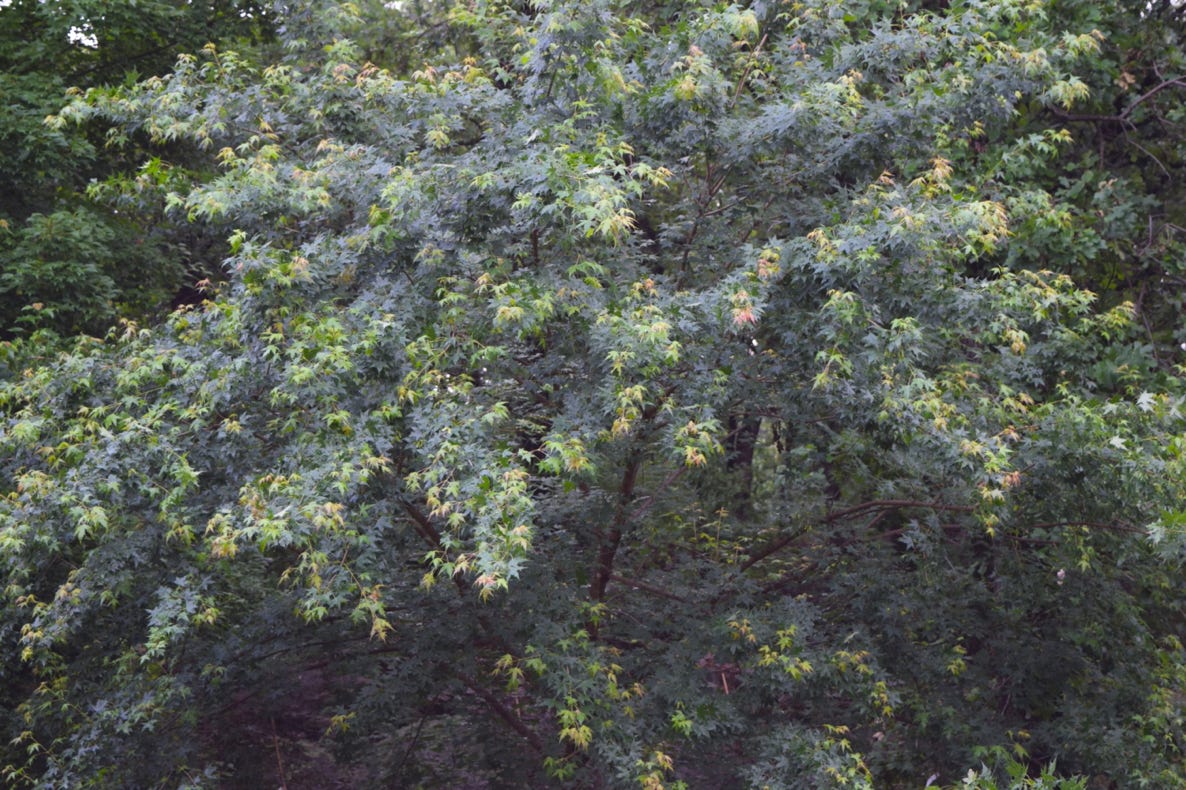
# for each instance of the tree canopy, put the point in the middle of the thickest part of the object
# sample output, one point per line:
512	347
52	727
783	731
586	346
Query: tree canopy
605	394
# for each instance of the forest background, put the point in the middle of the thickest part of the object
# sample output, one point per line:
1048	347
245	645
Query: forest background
592	394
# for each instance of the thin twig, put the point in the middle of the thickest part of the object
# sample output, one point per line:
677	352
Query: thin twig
647	588
279	761
882	505
1123	116
894	504
748	68
1091	525
649	502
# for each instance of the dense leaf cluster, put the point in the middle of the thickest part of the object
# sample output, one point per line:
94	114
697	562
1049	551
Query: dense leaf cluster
613	394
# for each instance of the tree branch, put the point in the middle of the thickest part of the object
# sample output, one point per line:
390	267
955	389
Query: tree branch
1091	525
422	524
609	544
772	547
1123	116
503	712
893	504
424	528
647	588
882	505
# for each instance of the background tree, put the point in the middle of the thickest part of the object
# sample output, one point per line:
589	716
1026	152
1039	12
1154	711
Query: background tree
627	394
72	257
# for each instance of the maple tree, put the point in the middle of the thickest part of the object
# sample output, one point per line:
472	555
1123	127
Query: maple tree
605	394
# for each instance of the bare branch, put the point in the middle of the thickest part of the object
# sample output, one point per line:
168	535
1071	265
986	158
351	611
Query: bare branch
501	709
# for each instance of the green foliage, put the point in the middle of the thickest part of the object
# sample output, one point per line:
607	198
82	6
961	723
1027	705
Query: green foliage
65	245
611	395
1017	772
